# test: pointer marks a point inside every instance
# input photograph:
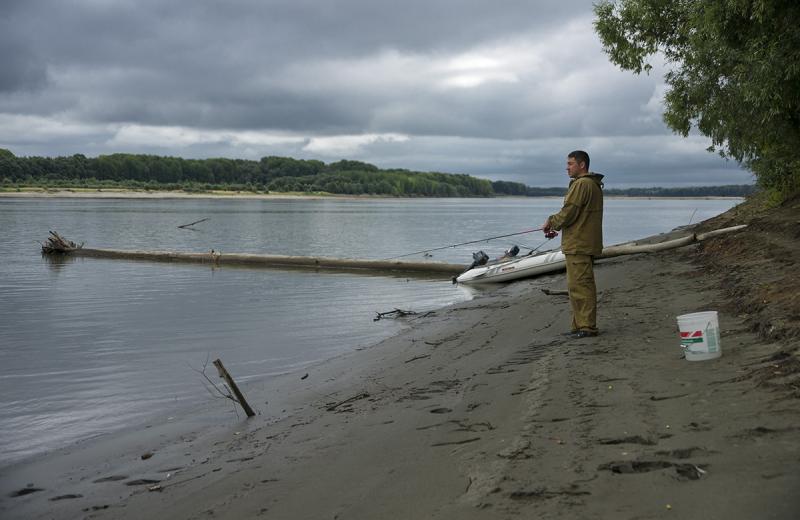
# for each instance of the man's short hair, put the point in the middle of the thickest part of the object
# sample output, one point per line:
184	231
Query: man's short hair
581	157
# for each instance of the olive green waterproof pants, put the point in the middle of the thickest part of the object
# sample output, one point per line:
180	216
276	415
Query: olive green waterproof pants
582	292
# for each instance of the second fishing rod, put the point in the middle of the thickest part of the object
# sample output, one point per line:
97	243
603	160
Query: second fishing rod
548	235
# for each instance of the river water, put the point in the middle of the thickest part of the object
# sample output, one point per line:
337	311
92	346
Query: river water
82	337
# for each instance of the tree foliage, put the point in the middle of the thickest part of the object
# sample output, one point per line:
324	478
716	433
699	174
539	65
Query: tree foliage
733	73
281	174
278	174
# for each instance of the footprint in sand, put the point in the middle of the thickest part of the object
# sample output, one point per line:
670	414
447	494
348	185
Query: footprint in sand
25	491
684	471
441	410
112	478
66	497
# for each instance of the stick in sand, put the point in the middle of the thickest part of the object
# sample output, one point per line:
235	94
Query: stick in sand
223	373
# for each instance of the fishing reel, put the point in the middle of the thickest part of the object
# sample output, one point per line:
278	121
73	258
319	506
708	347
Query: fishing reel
550	235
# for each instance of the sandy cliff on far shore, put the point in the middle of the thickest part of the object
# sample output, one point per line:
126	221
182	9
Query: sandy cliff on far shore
484	410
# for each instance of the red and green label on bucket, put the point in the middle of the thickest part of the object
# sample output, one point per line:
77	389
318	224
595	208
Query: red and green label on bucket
687	338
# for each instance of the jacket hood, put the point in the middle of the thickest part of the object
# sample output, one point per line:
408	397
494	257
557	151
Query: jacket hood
596	177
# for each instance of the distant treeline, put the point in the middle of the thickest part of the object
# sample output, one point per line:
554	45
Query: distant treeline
270	174
733	190
278	174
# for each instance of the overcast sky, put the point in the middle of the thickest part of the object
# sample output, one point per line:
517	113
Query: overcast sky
501	90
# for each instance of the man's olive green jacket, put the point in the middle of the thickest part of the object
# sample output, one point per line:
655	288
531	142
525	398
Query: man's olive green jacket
581	218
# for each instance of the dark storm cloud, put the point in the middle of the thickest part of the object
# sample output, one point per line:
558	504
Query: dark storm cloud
21	70
222	63
477	87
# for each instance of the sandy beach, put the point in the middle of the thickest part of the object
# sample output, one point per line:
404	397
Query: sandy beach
484	410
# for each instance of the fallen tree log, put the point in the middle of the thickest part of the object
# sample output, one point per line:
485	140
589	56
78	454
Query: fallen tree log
717	232
255	260
634	248
348	264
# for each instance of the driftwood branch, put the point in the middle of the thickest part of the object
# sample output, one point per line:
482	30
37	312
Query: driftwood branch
418	357
231	391
56	244
397	313
334	406
553	292
192	223
211	384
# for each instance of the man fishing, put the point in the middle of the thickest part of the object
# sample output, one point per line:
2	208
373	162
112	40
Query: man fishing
581	219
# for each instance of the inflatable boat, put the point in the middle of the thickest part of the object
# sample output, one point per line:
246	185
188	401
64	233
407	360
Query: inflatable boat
514	268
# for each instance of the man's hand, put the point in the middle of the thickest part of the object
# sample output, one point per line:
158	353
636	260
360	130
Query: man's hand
549	232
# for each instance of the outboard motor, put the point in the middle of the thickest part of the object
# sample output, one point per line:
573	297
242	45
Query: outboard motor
478	259
511	253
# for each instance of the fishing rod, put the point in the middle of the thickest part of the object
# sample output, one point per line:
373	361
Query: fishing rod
465	243
550	236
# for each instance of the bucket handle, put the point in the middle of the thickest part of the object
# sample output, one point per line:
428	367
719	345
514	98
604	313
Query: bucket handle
687	348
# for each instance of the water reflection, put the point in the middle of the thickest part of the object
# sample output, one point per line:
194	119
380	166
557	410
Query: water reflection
57	262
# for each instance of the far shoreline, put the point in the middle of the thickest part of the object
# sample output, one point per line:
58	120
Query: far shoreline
125	193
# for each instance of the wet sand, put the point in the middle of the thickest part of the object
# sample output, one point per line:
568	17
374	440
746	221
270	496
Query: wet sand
480	410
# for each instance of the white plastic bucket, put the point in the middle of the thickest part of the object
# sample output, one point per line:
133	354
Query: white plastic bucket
700	335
